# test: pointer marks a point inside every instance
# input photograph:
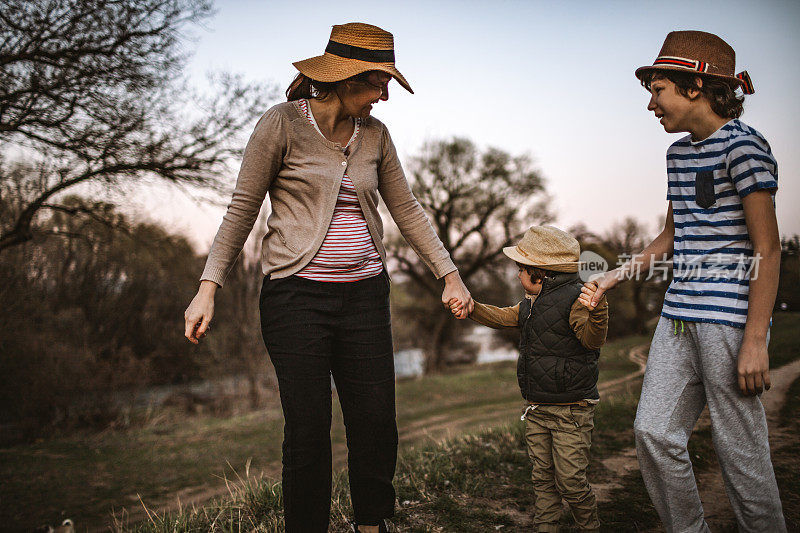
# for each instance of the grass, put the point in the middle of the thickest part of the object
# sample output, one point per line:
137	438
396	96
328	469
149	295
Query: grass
438	489
110	470
787	459
472	483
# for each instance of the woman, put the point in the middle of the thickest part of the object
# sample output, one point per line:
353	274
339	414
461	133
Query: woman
324	301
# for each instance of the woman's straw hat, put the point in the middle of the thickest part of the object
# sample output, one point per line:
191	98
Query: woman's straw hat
547	247
352	49
700	52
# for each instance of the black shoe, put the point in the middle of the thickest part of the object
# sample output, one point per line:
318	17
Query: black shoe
381	527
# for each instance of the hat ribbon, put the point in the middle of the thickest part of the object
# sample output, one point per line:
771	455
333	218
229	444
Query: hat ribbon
674	61
747	83
702	66
362	54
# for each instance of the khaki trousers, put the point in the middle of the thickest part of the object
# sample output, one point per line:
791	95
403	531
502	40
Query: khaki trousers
558	438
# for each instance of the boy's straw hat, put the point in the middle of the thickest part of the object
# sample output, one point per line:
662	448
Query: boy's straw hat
547	247
700	52
352	49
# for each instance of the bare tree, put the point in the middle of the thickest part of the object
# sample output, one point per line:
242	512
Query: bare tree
92	90
627	238
478	202
91	313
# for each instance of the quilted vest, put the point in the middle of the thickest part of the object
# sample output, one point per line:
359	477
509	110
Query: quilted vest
553	366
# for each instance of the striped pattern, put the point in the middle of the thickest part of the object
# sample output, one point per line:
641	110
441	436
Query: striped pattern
747	83
712	248
347	253
673	61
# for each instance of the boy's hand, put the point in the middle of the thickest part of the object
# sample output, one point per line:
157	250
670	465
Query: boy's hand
585	298
753	367
593	290
587	293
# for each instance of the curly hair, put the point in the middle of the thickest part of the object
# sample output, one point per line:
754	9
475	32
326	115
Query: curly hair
721	95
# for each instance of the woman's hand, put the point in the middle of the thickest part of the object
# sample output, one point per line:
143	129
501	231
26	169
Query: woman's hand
200	312
455	288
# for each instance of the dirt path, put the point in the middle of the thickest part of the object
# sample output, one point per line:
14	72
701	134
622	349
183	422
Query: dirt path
625	461
716	506
443	426
638	355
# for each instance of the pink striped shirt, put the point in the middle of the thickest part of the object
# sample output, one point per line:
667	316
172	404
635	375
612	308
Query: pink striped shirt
347	253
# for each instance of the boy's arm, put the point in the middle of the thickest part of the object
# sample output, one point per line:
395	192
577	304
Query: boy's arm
590	326
753	362
660	249
496	317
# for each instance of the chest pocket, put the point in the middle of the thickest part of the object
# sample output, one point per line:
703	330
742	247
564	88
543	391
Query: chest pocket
704	193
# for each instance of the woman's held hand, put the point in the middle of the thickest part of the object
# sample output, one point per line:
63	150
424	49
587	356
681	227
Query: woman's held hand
454	288
200	312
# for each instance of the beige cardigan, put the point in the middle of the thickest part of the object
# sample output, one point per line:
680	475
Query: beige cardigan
302	171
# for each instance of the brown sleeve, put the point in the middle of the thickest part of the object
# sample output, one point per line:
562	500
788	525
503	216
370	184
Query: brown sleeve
407	213
496	317
261	162
590	327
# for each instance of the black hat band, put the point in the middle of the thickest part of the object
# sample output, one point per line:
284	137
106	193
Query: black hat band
361	54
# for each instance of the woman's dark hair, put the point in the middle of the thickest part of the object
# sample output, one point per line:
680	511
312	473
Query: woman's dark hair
537	274
304	87
720	94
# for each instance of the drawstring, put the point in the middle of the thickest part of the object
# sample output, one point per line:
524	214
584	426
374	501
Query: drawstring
675	326
529	408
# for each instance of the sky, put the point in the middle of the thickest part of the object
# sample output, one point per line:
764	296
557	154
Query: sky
551	79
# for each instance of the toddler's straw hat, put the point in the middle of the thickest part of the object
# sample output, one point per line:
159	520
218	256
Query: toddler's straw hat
547	247
353	48
700	52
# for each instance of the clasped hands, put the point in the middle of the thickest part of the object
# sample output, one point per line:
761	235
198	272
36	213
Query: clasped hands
456	297
752	365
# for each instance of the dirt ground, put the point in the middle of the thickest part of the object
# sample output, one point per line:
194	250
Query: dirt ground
716	505
439	427
435	428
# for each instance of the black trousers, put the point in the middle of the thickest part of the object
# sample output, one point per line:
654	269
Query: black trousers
313	330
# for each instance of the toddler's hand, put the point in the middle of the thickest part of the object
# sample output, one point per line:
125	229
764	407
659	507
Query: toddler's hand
587	293
594	289
456	306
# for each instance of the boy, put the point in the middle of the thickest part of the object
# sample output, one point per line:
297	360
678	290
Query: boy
560	342
710	345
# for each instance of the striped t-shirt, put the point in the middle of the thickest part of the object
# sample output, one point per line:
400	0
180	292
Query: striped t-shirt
712	261
348	252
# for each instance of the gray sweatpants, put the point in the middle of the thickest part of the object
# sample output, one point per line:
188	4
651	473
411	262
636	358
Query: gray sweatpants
684	372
